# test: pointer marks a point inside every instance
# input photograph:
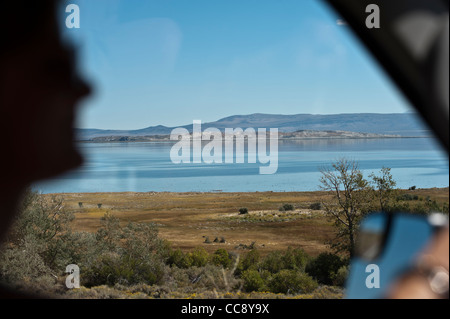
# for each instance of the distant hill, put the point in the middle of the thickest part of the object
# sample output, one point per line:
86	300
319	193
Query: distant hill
403	124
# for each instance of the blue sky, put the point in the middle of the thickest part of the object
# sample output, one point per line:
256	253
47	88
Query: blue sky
169	62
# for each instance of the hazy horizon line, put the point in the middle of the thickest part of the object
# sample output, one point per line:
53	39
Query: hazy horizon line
180	125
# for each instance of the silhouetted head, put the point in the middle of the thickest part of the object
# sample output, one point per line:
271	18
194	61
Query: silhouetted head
39	92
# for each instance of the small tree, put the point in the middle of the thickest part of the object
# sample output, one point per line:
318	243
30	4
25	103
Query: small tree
345	182
384	189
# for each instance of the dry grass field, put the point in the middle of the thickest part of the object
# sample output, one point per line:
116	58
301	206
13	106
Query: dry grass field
186	219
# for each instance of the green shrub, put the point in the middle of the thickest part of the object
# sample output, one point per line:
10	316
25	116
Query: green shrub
22	264
221	258
249	261
179	259
272	262
324	267
295	259
112	269
286	207
252	280
407	197
199	257
340	278
109	234
141	241
316	206
292	282
104	270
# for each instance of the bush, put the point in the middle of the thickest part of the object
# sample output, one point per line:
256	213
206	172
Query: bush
292	282
286	207
108	236
19	265
249	262
251	259
112	269
316	206
324	267
273	262
179	259
295	259
221	258
199	257
408	197
141	241
243	211
340	277
252	280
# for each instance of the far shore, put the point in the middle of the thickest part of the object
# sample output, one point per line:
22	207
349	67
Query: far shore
143	139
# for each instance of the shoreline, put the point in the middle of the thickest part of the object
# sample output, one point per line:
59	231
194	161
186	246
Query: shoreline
228	192
129	139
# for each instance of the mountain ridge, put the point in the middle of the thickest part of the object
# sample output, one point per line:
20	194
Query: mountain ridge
402	124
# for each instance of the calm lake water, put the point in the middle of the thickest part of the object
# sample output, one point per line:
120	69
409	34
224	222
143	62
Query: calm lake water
143	167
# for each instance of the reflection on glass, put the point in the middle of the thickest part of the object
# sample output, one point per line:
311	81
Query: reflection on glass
392	243
371	236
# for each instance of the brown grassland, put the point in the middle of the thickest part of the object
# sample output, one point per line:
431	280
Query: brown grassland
186	219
